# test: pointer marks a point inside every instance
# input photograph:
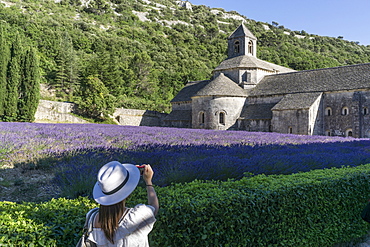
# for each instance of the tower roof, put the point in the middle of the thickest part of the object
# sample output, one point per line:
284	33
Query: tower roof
250	62
242	31
221	86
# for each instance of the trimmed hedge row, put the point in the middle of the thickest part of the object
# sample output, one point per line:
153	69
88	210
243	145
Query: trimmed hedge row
57	222
317	208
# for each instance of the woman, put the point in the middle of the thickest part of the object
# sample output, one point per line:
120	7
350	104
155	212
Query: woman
115	224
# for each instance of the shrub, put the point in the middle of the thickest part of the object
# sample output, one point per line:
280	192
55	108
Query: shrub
317	208
53	223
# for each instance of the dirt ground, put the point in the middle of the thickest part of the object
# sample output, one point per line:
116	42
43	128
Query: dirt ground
24	185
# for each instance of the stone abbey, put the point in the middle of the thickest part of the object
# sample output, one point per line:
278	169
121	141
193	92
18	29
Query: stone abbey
247	93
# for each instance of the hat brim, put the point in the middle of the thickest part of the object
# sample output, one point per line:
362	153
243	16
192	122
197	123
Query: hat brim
123	193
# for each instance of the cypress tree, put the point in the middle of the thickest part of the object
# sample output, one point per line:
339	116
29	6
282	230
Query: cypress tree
29	90
115	81
13	81
4	58
67	70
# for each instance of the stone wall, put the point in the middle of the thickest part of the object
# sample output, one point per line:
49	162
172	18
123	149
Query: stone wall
212	107
291	121
315	117
61	112
138	117
56	112
355	118
298	121
258	125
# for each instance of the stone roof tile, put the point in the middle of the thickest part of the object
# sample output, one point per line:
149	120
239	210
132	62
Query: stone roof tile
320	80
297	101
242	31
250	62
189	91
221	86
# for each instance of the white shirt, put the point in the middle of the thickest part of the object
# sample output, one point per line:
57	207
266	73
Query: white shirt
132	230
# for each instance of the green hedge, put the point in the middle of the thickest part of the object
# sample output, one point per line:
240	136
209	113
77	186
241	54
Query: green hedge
317	208
54	223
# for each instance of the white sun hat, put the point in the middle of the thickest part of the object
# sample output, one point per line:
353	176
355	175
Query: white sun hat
115	183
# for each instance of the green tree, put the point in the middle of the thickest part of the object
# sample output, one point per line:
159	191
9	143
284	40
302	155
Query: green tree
29	90
13	81
67	69
95	101
4	58
108	65
113	74
141	79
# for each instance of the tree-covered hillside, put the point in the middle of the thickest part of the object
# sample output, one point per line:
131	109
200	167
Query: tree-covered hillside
140	53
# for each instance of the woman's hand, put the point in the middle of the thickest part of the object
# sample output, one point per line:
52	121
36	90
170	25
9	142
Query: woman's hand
148	174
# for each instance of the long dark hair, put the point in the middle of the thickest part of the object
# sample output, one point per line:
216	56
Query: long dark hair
109	217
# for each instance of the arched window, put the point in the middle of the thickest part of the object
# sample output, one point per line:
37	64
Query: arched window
349	133
221	118
250	47
345	111
365	111
328	111
202	118
237	46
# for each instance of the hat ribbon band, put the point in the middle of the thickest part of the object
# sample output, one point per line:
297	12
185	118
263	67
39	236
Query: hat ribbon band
119	187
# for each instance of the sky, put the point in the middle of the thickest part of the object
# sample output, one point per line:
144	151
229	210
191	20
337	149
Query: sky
333	18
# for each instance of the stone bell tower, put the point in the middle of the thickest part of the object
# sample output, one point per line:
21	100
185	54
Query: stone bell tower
242	42
242	65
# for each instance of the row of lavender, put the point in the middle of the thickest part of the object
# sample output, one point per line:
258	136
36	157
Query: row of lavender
177	155
26	138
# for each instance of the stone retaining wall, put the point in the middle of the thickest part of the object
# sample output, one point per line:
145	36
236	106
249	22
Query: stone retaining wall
138	117
60	112
56	112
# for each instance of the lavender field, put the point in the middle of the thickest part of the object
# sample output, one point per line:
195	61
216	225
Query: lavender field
76	151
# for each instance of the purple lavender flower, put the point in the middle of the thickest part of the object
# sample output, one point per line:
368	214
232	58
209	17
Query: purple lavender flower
177	155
